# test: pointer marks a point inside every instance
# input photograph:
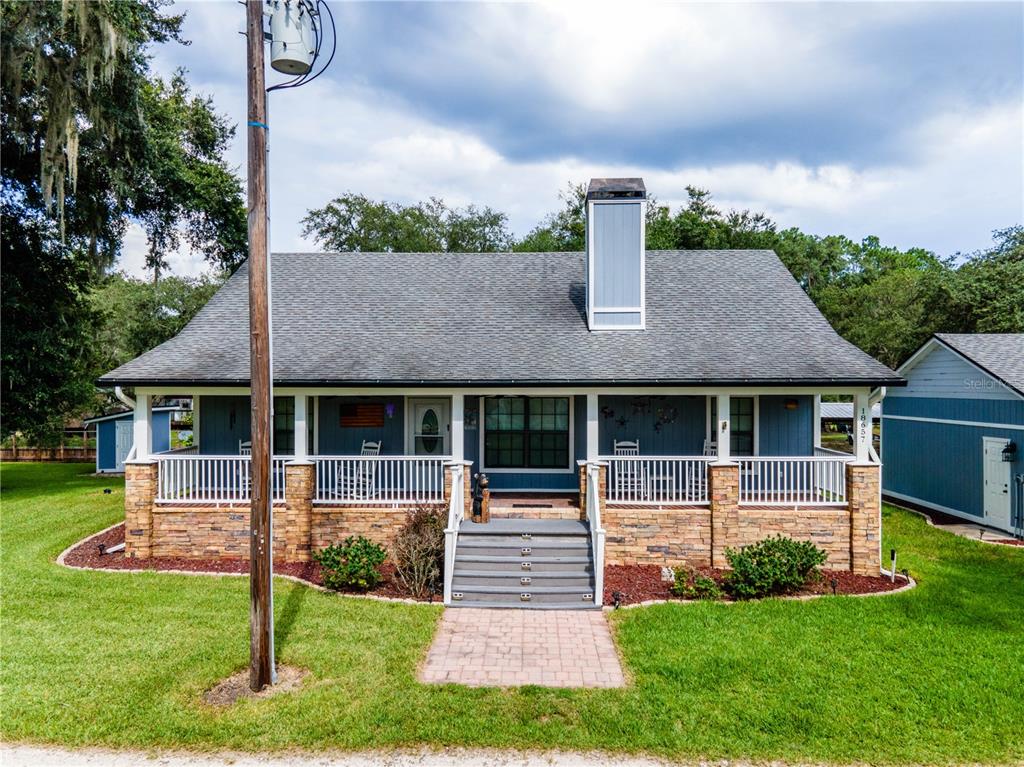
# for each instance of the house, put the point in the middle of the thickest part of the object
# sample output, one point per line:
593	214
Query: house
400	376
114	436
952	439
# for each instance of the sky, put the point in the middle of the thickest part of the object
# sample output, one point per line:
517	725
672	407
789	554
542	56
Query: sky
897	119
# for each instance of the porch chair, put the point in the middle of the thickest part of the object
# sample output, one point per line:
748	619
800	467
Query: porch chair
710	449
245	447
630	478
362	483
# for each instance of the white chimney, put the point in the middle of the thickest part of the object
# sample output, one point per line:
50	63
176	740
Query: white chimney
615	254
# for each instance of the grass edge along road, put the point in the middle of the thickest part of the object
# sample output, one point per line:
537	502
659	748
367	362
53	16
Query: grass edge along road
931	676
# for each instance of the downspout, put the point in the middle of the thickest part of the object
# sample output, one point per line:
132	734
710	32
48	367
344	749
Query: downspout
119	393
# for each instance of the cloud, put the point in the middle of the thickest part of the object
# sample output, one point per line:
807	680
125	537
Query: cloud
899	120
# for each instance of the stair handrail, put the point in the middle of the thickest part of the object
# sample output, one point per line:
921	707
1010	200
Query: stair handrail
597	532
456	513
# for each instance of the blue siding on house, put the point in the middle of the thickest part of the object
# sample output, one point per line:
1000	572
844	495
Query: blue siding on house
224	421
782	431
943	373
669	425
617	254
957	409
335	440
162	431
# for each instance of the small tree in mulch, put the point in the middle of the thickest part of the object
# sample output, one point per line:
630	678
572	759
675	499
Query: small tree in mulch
771	567
419	550
689	584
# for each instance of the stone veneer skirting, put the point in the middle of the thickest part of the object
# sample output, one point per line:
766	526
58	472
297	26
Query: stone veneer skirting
673	535
698	536
208	531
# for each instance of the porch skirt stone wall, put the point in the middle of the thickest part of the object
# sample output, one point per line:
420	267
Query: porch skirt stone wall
199	532
669	536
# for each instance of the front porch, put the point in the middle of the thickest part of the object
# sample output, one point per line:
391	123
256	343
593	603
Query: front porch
682	493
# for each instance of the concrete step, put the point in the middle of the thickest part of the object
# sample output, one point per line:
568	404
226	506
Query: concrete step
476	561
523	539
521	596
581	578
523	549
496	605
519	526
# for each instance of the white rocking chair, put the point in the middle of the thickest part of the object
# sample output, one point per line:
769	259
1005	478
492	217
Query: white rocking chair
245	447
362	483
710	449
630	476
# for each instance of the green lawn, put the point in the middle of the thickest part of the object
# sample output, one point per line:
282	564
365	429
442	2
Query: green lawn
935	675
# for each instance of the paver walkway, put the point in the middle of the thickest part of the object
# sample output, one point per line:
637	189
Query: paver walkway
508	648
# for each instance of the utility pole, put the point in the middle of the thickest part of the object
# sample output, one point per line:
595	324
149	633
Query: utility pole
261	617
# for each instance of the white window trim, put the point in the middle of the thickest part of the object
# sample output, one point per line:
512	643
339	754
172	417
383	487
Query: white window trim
482	421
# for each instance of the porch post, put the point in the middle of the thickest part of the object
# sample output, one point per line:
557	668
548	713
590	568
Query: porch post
195	422
862	426
301	447
723	429
816	425
593	448
458	435
143	431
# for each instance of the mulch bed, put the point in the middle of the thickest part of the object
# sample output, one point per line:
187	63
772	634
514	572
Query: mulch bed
87	554
643	583
635	583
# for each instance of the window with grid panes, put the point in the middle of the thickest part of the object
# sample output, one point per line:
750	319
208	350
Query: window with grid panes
284	426
741	422
526	433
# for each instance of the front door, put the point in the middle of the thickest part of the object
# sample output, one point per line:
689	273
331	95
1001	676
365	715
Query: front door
123	437
429	426
997	483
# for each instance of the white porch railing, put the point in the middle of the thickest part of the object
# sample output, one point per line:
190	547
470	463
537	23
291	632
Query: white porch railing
456	512
597	531
657	480
827	452
815	480
379	479
191	478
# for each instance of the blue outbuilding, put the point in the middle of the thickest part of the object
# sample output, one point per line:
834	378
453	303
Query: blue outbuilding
953	439
114	436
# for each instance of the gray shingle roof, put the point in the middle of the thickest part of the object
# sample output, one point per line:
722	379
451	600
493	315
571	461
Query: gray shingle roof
1001	354
406	318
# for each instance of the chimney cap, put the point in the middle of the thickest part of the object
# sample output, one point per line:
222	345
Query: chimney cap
616	188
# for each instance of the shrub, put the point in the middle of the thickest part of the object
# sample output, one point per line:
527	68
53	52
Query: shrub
419	550
778	565
353	564
692	585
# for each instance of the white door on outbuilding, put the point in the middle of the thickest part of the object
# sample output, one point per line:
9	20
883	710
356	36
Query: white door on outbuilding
997	483
123	438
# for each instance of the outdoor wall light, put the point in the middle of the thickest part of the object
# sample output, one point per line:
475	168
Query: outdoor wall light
791	404
1010	452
